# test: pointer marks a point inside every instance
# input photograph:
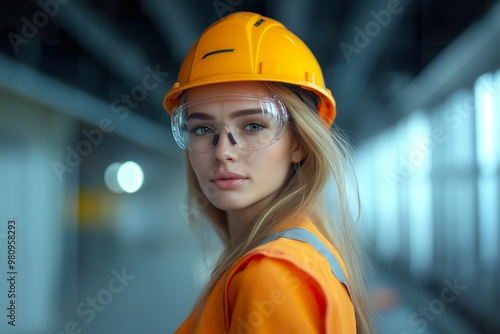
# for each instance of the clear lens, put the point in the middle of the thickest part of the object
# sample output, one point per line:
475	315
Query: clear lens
248	121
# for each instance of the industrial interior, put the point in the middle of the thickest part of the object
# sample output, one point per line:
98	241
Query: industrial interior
91	175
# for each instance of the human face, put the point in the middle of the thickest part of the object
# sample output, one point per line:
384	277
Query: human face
235	179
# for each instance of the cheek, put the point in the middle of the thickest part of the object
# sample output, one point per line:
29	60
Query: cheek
278	154
272	164
198	163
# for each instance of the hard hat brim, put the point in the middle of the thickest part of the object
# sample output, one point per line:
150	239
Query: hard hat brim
326	107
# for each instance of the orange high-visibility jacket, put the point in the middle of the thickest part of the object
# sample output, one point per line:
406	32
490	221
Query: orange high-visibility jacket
294	283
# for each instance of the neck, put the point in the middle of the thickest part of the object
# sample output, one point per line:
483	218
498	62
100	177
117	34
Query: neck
240	221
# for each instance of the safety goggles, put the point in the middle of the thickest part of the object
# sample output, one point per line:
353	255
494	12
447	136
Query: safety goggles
250	122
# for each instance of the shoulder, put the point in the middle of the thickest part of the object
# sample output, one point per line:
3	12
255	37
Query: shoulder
275	268
275	295
290	277
305	248
295	256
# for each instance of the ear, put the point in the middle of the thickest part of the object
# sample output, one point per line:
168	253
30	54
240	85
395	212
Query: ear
298	151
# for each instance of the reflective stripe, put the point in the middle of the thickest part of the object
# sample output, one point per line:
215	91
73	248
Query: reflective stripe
304	235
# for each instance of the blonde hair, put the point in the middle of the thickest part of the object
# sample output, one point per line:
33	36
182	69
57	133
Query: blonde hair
327	157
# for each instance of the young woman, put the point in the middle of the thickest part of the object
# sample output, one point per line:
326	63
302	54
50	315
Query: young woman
251	111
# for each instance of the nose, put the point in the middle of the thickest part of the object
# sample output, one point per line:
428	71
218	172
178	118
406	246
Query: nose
230	136
224	145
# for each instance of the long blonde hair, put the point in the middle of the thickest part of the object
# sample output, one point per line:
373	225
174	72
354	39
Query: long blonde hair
327	158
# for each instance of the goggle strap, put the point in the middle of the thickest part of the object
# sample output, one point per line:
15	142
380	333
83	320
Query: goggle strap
231	138
215	140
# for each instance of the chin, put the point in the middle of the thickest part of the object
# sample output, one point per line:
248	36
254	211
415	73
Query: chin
229	204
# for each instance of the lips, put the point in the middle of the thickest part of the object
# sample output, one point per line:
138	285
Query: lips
228	180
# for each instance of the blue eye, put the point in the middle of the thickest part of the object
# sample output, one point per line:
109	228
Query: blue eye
253	127
201	130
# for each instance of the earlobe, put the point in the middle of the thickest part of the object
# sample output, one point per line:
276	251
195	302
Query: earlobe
299	152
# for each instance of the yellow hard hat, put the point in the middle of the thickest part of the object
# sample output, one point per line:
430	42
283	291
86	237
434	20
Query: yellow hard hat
245	46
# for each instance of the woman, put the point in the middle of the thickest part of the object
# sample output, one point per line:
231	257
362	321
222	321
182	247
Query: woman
251	111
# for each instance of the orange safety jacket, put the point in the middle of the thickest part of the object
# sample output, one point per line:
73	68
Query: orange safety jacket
293	282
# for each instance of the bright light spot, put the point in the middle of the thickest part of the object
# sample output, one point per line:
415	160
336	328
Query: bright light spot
130	177
120	177
111	179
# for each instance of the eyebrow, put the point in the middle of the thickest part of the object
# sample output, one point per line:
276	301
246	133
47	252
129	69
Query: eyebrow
246	112
200	115
234	114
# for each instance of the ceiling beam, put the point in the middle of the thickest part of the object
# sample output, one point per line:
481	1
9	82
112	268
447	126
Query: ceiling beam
471	54
20	79
101	40
175	23
359	50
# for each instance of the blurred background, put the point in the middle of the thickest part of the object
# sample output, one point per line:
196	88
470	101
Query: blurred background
93	186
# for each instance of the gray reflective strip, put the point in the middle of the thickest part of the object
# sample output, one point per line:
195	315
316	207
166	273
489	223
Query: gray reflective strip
303	235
